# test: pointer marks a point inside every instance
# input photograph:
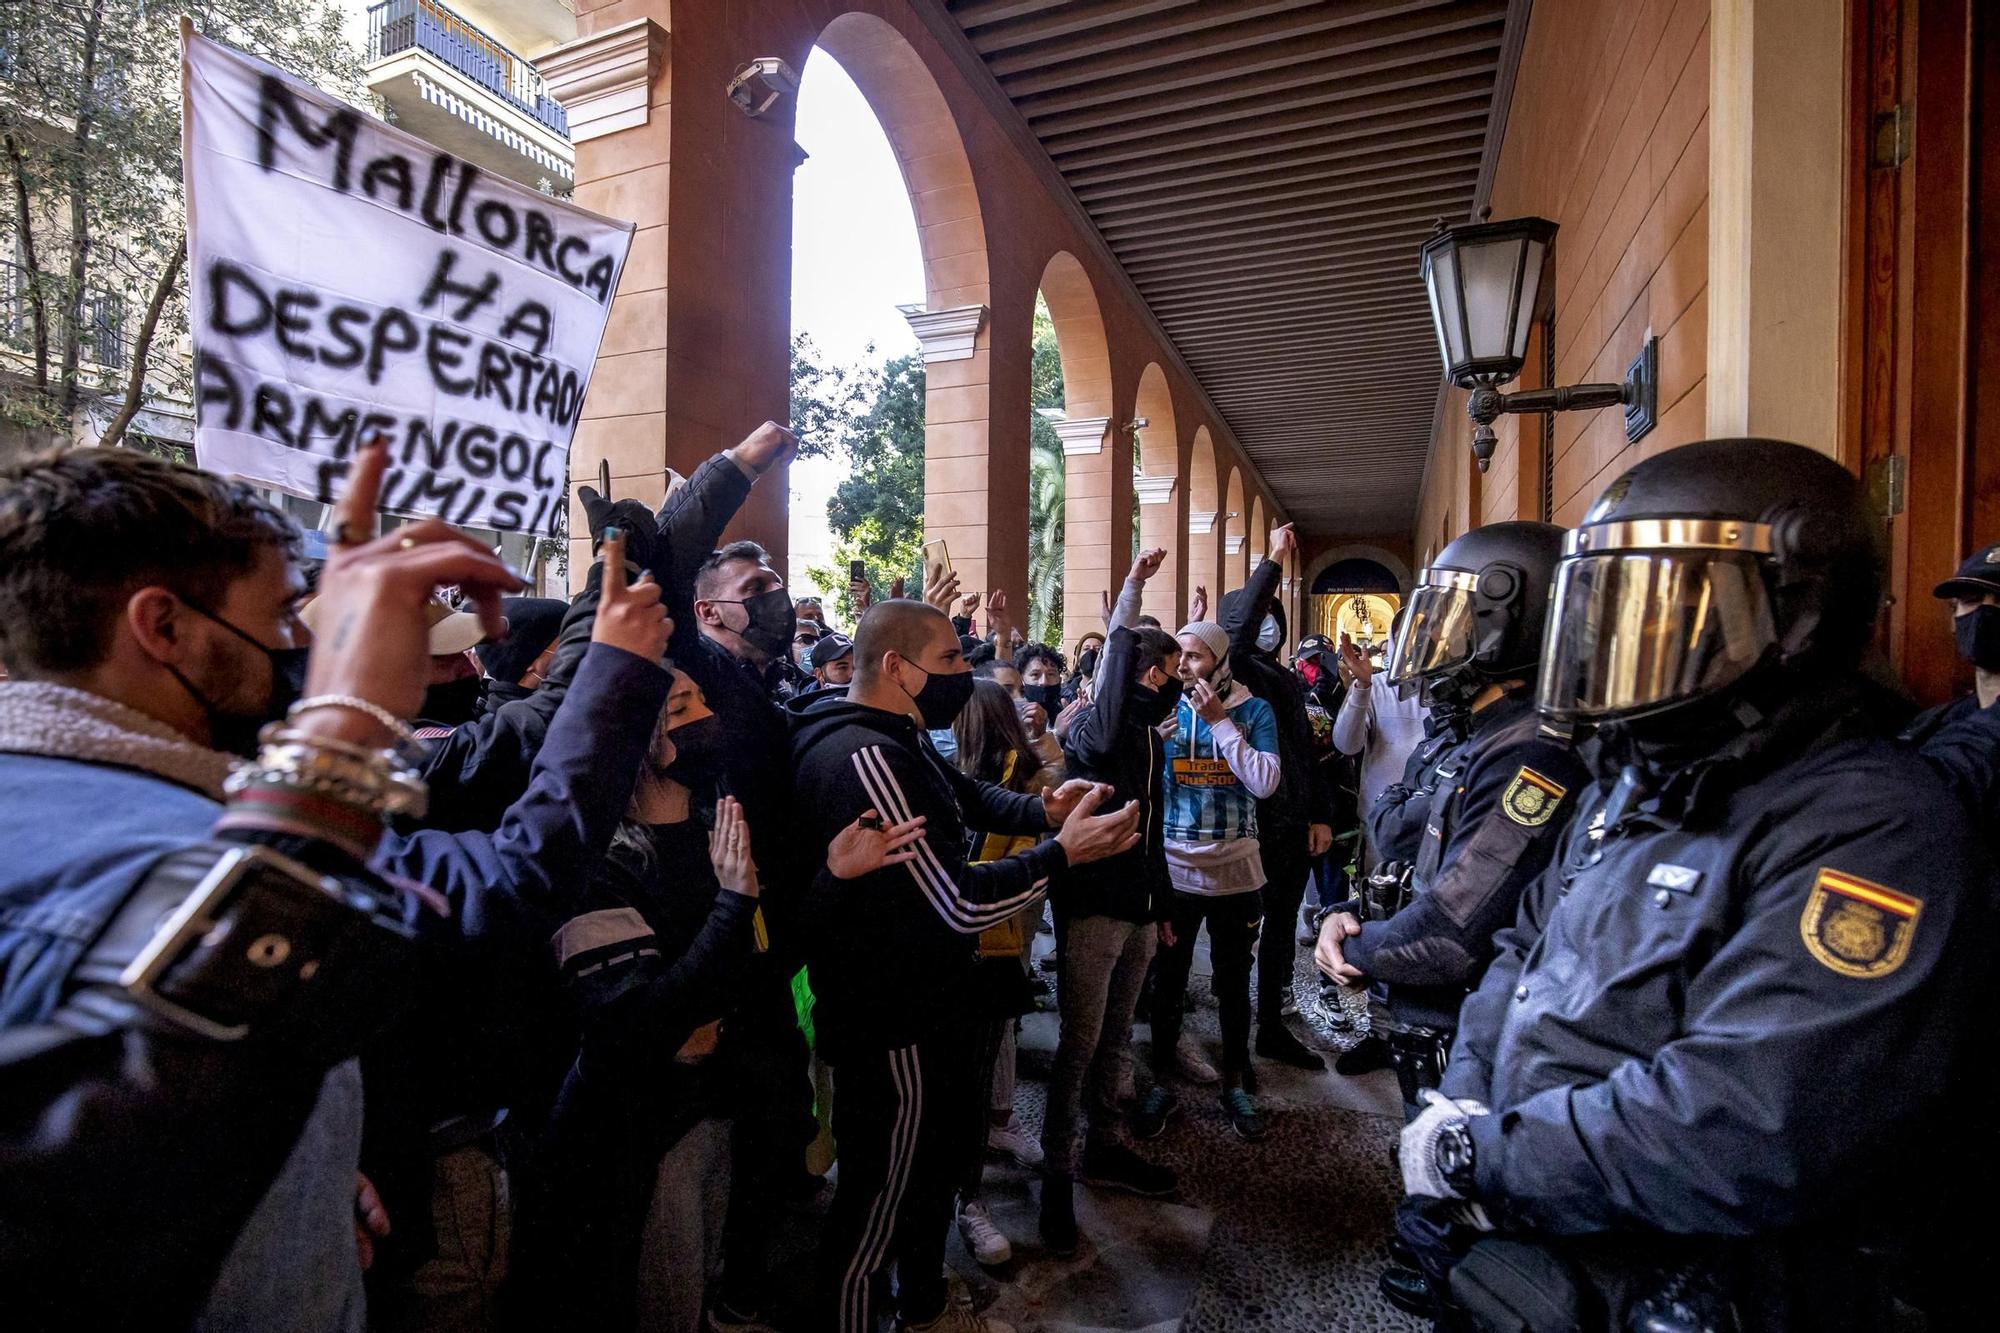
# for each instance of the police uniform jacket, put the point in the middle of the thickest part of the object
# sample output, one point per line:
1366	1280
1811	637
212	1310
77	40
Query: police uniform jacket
1734	1007
1961	742
1503	798
1396	821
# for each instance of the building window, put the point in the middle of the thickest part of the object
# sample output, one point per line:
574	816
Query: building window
104	329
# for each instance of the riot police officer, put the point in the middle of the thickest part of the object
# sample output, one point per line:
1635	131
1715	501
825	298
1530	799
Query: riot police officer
1470	643
1961	739
1707	1071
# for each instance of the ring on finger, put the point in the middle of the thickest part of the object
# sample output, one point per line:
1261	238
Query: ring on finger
406	543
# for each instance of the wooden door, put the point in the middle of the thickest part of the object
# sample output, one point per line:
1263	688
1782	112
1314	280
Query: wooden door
1923	313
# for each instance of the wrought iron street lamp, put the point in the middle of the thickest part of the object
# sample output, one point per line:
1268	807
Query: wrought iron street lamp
1484	279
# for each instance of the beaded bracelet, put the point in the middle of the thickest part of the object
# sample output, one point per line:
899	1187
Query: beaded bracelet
394	725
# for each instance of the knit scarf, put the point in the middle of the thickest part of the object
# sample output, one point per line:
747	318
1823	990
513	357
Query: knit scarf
37	717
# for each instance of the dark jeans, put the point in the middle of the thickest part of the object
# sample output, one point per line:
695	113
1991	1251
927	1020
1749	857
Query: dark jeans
1232	921
900	1118
1285	872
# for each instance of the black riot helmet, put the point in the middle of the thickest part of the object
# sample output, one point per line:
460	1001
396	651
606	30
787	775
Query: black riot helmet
1477	613
1701	571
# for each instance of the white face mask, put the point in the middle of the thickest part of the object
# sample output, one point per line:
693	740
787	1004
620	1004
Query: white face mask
1269	636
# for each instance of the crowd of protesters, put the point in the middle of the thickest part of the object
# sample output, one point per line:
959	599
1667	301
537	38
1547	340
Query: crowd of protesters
373	960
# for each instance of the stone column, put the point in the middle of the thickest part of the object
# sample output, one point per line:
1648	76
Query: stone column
962	494
1204	566
613	85
1161	502
1091	563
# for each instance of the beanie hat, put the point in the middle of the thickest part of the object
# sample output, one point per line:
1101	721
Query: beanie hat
1212	636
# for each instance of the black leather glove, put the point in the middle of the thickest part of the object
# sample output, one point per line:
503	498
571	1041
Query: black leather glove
640	525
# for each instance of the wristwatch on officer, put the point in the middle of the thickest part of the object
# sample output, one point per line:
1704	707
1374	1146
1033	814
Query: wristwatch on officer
1451	1153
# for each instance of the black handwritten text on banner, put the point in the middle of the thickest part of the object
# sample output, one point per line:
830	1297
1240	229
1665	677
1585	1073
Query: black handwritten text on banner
349	280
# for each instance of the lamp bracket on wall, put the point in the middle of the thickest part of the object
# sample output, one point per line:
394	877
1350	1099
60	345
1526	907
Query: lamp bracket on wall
1638	394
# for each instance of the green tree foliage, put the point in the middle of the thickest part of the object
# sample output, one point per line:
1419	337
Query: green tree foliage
90	108
874	422
1045	485
877	511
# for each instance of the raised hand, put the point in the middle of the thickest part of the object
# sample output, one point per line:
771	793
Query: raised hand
940	587
630	616
867	845
968	605
896	587
1148	563
1198	604
860	596
764	447
1283	543
1087	836
729	849
1355	661
377	640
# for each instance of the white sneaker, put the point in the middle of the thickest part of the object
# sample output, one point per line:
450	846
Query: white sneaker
1194	1066
988	1246
1010	1140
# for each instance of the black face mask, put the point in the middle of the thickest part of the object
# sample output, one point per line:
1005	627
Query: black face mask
1086	662
698	748
943	697
1048	696
1978	634
453	702
773	622
237	734
1150	707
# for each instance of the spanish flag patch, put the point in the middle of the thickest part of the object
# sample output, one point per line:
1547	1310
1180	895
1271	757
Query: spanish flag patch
1531	799
1857	927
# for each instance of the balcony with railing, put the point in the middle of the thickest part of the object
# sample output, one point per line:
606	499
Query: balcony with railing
399	26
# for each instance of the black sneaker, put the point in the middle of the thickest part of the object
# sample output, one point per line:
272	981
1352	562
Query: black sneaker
1113	1166
1059	1218
1242	1112
1149	1121
1276	1042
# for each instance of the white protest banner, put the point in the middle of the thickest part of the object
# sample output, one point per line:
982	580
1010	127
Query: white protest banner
348	279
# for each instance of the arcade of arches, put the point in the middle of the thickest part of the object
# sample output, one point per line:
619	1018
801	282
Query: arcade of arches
1112	159
698	339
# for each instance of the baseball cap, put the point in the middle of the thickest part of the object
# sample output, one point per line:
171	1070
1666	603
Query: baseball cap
1313	645
1977	577
832	646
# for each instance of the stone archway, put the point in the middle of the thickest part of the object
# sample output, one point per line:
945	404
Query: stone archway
974	501
1097	472
1163	496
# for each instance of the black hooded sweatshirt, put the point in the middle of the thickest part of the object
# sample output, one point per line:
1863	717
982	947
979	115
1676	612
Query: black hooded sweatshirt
1106	743
1304	795
891	955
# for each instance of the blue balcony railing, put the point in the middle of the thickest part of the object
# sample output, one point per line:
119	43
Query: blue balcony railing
395	26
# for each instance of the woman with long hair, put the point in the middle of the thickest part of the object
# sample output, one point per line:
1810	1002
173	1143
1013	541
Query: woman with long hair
993	746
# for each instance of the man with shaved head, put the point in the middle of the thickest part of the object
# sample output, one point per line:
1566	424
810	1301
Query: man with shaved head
893	818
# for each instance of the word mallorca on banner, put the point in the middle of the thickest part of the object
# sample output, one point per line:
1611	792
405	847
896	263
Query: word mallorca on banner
349	280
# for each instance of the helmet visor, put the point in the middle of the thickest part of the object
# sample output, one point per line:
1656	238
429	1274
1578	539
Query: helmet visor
1436	630
1634	631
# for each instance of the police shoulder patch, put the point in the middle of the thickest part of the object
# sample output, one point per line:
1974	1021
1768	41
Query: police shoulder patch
1531	798
1857	927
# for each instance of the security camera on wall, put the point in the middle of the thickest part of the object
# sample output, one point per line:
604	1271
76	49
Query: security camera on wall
758	86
